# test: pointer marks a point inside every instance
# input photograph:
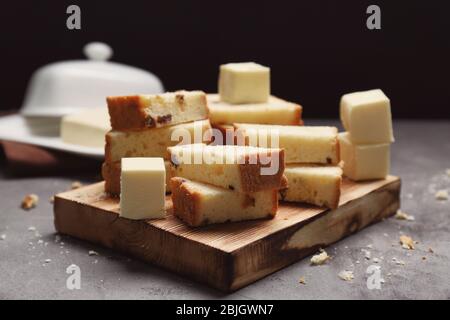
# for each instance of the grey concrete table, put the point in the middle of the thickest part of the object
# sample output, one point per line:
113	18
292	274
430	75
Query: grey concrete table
420	156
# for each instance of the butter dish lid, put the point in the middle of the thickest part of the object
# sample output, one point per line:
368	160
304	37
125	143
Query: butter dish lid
63	88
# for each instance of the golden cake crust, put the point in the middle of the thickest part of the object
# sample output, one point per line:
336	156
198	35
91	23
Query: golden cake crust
127	113
252	180
185	202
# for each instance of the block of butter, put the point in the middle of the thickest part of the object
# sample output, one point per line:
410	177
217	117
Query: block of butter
364	162
86	128
246	82
366	115
142	193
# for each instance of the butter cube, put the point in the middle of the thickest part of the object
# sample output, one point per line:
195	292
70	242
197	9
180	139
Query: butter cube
142	188
364	162
366	115
246	82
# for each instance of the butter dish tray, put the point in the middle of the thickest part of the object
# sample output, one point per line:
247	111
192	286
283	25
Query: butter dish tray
16	129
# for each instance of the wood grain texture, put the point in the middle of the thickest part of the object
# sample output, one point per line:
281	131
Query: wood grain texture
225	256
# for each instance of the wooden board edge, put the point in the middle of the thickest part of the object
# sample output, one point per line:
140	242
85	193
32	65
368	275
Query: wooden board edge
256	260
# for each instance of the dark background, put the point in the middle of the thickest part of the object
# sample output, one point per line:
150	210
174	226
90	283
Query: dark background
317	50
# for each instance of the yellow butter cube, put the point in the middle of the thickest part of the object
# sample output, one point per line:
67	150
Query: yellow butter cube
246	82
364	162
142	193
366	115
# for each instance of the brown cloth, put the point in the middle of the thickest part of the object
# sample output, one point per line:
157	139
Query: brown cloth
28	160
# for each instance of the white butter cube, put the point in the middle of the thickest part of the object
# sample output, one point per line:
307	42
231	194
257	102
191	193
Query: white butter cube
366	115
246	82
364	162
142	193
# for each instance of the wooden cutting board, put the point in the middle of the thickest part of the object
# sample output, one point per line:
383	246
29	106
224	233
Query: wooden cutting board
225	256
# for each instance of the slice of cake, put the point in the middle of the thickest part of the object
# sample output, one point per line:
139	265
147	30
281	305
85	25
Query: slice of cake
274	111
153	142
160	110
301	144
111	175
318	185
239	168
200	204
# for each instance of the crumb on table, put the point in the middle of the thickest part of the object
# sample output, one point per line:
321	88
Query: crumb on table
29	201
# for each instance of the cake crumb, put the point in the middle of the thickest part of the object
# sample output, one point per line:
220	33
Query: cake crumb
3	237
48	260
31	228
346	275
430	250
93	253
370	246
29	201
376	260
401	215
320	258
76	185
424	258
302	280
407	242
367	254
441	195
399	262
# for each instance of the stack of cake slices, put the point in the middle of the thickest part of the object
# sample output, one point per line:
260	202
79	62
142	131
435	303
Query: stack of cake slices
214	184
311	155
145	125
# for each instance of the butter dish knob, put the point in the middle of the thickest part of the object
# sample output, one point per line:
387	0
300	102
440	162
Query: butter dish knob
97	51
